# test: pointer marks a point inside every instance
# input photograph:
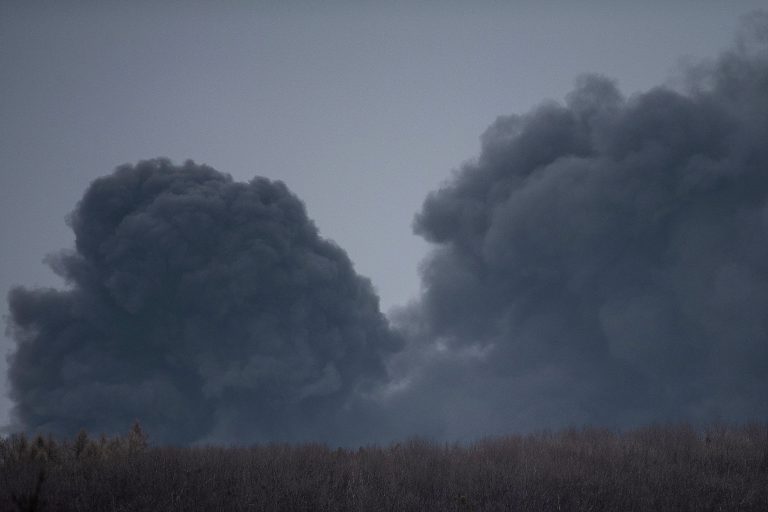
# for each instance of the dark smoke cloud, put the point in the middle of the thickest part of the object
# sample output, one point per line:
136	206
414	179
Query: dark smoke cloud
205	308
602	261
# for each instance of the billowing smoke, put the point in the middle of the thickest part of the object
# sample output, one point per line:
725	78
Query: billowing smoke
203	307
602	261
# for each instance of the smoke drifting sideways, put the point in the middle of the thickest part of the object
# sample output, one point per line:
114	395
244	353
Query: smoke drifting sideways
603	261
205	308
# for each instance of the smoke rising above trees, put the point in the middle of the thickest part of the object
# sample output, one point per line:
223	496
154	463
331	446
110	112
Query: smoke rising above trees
603	260
201	306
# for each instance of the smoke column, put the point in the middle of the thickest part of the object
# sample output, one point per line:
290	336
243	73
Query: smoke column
603	261
205	308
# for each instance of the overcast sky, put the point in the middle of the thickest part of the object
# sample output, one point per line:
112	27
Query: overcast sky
360	108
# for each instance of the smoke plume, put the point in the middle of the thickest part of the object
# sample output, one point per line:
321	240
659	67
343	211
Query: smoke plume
602	261
205	308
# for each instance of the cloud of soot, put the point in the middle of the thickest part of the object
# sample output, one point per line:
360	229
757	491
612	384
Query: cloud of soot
602	261
206	308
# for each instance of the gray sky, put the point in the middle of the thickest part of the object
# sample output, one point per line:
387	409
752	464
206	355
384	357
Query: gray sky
360	109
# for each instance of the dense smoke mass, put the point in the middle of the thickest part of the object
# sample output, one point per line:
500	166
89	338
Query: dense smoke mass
603	261
205	308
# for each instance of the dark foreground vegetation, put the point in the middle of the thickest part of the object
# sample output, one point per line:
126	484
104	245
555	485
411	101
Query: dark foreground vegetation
655	468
